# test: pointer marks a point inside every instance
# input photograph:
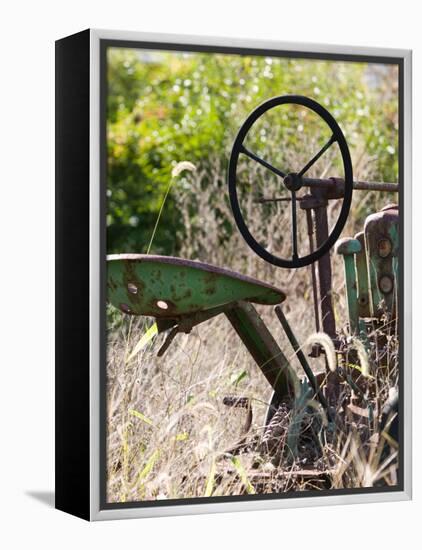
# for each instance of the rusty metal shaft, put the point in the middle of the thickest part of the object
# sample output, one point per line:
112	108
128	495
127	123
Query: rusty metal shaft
357	185
301	356
336	186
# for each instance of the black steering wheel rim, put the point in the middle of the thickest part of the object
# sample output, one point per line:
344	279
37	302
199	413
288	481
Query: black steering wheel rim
348	180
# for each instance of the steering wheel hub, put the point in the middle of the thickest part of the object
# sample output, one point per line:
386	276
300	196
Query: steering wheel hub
293	181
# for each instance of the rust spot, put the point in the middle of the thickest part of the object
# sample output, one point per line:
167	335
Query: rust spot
156	275
384	247
171	305
111	284
210	281
210	277
130	270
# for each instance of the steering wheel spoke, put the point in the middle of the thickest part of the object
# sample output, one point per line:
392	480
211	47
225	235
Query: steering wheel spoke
317	156
294	227
261	161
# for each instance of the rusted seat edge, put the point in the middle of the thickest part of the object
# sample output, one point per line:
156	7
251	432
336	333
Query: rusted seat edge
196	264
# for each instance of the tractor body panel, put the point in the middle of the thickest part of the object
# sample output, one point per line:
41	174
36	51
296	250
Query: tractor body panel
382	251
371	273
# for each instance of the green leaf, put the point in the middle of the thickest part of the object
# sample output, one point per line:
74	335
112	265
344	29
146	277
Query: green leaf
182	436
141	416
359	368
209	488
190	398
149	335
149	465
243	475
237	377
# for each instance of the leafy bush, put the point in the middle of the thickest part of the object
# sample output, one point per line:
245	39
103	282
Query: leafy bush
166	107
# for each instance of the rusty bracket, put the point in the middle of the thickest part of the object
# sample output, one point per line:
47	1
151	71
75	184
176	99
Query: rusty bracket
264	349
186	323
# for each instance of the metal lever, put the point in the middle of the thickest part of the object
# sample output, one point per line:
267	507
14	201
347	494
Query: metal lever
302	359
169	339
186	323
347	248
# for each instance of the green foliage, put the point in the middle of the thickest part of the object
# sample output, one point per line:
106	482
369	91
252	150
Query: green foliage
168	107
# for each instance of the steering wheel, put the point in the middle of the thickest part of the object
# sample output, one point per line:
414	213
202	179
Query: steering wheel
292	181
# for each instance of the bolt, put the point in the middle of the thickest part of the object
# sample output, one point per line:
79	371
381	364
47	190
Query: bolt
386	284
293	182
133	289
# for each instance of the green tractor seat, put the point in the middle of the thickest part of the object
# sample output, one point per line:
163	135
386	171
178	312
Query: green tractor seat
165	287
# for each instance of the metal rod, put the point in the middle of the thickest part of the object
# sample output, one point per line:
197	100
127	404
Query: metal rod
301	356
327	184
261	161
264	349
324	273
294	226
313	268
376	186
317	156
277	199
357	185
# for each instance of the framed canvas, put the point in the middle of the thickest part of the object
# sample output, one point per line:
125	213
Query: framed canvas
233	288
